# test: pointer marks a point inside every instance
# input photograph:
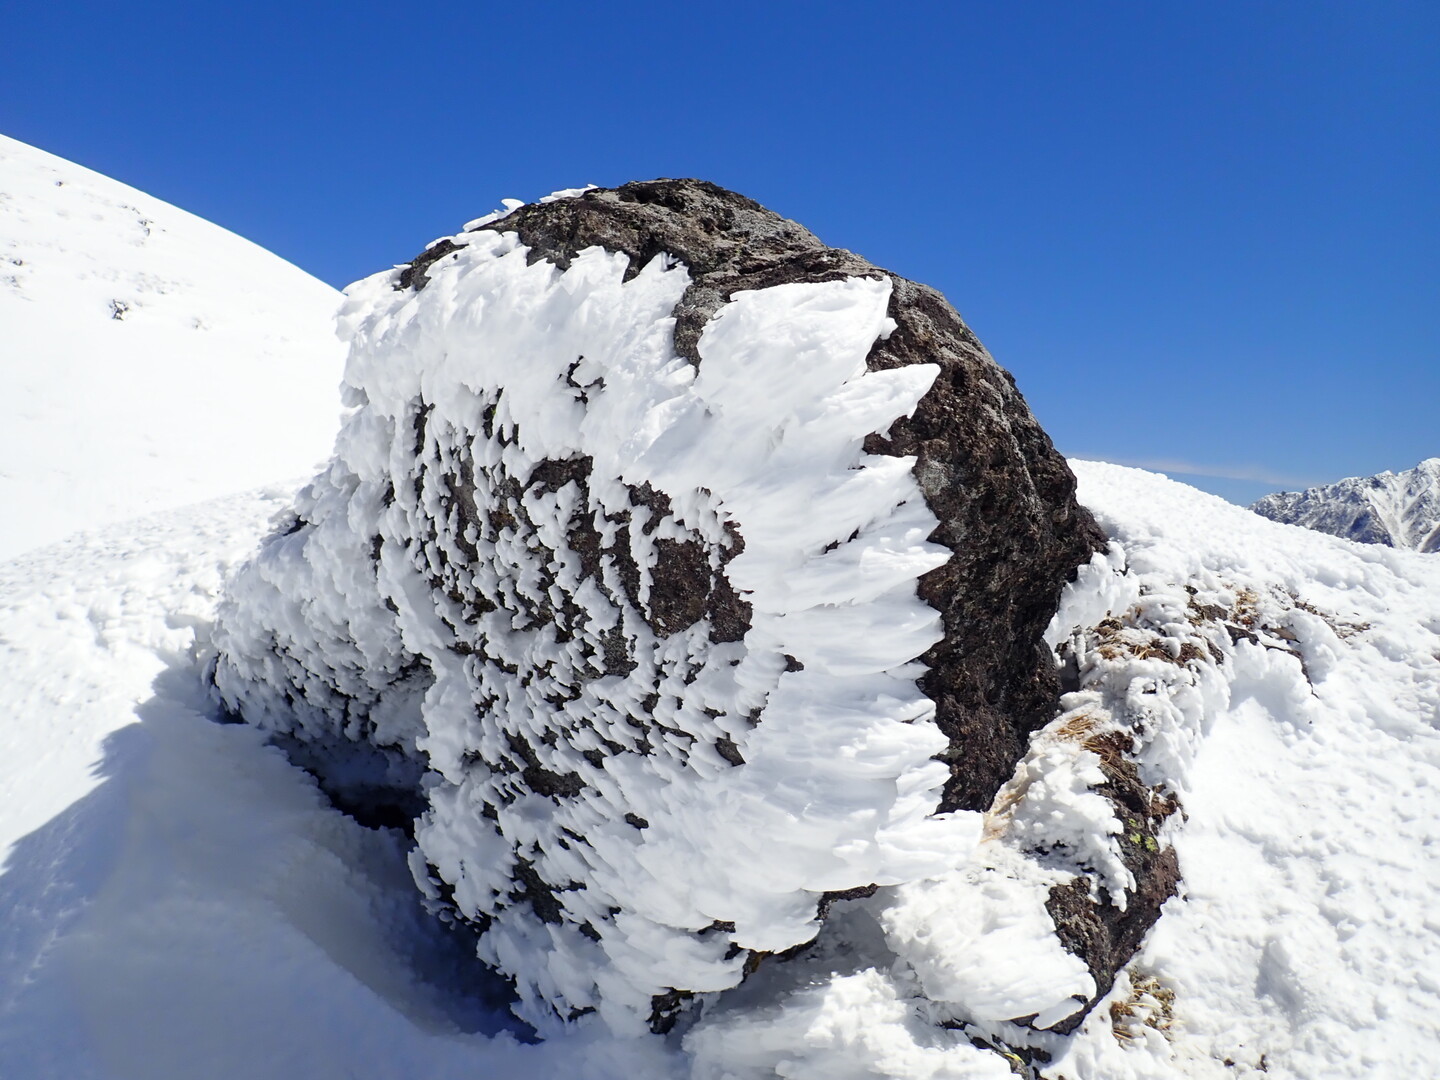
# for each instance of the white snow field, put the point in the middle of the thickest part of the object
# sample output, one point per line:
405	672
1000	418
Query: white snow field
148	359
177	900
181	902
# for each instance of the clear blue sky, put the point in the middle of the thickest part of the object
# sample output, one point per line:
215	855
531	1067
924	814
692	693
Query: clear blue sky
1205	234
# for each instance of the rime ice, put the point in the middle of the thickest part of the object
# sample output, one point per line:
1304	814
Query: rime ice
630	794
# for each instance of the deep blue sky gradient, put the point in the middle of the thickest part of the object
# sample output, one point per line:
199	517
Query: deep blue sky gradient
1203	234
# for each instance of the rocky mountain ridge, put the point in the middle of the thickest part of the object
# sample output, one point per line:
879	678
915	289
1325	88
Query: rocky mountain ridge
1399	510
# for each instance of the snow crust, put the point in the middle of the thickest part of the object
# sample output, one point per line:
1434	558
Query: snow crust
764	772
151	359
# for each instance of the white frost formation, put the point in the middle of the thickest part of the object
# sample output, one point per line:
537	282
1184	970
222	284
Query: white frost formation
627	798
1286	686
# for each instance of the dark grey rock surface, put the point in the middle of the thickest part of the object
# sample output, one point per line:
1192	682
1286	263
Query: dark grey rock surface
1004	496
1100	931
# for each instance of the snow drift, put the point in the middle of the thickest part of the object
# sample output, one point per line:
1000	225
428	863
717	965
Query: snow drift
690	574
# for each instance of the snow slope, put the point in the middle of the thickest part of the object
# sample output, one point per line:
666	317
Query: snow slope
1306	943
183	903
148	359
1399	510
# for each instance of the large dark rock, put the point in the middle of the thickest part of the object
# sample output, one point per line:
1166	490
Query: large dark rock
631	784
1004	497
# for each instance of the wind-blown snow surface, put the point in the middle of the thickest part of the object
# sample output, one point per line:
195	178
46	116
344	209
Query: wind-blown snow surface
150	358
1399	510
179	900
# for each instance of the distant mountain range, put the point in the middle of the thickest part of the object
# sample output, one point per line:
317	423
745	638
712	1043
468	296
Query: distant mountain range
1400	510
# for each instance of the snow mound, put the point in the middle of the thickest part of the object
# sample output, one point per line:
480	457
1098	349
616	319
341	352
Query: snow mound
1306	763
152	359
1399	510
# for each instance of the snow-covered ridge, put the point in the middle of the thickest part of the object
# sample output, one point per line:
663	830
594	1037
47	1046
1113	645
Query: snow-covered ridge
151	359
1399	510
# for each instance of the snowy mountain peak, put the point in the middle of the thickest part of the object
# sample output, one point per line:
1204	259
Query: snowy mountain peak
1400	510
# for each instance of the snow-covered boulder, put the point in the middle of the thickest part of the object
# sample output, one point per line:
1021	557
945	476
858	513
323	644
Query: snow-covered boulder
689	574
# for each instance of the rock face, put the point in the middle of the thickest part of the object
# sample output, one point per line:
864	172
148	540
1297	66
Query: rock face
1004	499
1104	933
1400	510
682	568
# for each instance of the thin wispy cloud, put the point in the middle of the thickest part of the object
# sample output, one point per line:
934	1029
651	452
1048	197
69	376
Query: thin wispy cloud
1259	474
